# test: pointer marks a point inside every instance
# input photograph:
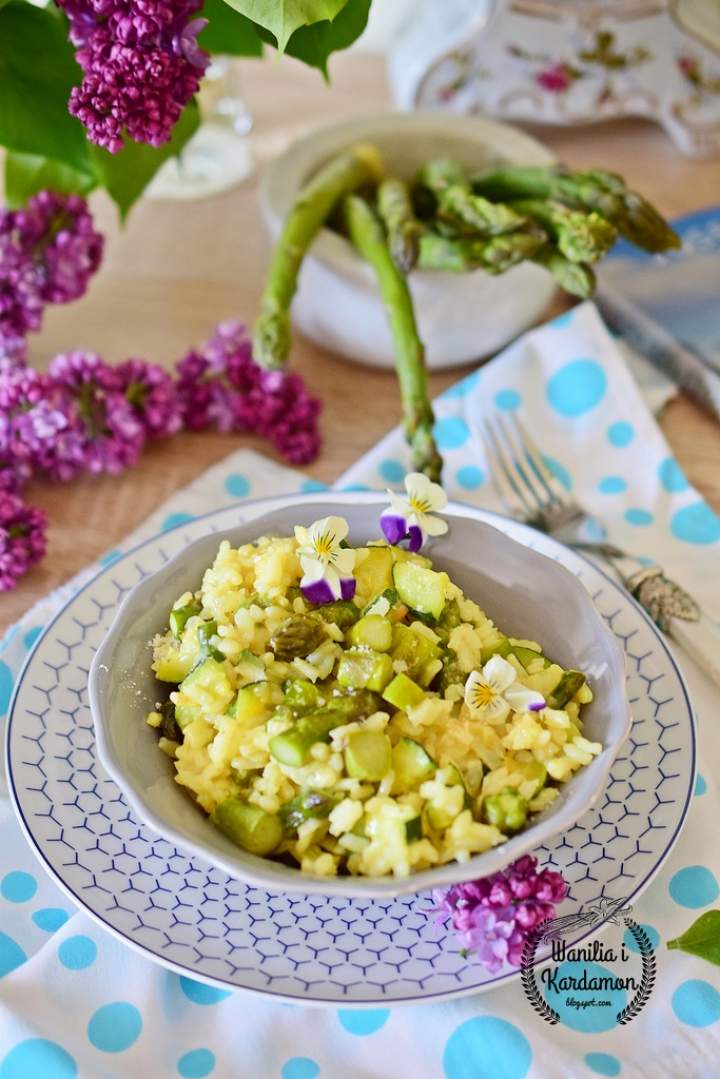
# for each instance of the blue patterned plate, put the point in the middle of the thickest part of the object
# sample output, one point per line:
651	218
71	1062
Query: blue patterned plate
196	920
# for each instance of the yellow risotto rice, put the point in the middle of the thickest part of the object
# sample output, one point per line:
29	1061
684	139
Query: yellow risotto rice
342	738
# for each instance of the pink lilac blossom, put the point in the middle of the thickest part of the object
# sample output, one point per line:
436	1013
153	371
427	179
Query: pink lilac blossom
22	538
49	250
113	435
150	391
221	385
141	65
495	915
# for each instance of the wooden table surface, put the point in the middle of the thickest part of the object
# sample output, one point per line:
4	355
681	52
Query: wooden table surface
178	268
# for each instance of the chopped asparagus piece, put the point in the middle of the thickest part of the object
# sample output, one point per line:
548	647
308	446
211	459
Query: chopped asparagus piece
304	806
414	649
170	728
343	612
302	696
580	236
577	278
248	826
566	688
297	636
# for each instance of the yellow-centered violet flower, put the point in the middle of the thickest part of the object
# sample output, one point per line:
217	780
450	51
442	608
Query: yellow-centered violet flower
412	517
495	691
327	564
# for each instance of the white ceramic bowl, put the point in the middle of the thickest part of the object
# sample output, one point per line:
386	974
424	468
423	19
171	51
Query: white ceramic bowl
528	594
461	317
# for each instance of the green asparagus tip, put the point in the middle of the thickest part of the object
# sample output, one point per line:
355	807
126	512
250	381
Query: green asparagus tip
271	339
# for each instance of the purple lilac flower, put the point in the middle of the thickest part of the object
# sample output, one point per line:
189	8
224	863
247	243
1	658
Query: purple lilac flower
221	385
113	435
495	915
150	390
22	538
141	65
48	252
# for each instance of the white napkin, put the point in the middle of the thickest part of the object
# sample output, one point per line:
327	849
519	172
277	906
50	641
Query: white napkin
57	967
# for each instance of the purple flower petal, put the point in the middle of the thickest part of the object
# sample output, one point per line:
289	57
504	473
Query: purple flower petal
318	592
538	707
415	538
394	527
347	587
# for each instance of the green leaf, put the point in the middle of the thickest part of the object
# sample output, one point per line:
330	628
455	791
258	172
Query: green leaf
314	44
37	73
26	174
127	173
702	938
228	32
283	17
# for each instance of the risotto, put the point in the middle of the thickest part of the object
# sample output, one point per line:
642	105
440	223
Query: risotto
382	734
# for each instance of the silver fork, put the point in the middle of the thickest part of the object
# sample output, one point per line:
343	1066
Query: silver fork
531	493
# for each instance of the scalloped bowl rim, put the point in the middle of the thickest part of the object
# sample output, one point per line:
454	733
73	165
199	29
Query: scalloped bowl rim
253	870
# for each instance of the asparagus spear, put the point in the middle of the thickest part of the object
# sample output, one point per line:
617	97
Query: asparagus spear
403	228
361	164
495	254
365	231
580	236
574	277
457	203
594	189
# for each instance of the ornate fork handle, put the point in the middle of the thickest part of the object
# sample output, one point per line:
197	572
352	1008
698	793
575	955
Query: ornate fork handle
663	599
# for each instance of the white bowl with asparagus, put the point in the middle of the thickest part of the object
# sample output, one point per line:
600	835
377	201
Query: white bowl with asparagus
461	316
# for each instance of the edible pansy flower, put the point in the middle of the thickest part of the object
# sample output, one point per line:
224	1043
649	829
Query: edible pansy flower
412	518
496	691
327	565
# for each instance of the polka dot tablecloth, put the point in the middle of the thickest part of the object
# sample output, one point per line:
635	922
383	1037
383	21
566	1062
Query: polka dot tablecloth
76	1002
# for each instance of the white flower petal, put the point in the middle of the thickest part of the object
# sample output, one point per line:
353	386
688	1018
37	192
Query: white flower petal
521	699
332	578
496	710
313	569
499	673
344	561
423	489
334	527
433	526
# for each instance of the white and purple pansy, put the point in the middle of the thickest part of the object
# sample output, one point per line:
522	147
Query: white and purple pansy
327	565
495	691
412	517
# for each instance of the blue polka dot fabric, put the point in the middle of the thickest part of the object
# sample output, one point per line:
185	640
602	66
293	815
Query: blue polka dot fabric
75	1002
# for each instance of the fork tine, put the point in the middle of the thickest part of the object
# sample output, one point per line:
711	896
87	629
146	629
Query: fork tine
524	476
502	474
536	460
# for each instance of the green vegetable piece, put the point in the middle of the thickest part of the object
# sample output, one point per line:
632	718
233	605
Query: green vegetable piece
368	755
506	810
343	612
210	674
305	806
527	655
170	728
249	826
403	229
373	570
250	668
457	780
365	669
702	938
301	696
577	278
366	233
566	688
413	829
171	665
579	236
414	649
355	167
205	633
246	708
533	771
293	746
403	693
412	765
422	589
372	631
297	636
180	615
500	647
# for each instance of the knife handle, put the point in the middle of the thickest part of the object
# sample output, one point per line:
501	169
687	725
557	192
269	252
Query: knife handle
701	640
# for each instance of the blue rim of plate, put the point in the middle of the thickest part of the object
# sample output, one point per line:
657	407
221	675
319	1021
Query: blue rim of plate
331	1001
